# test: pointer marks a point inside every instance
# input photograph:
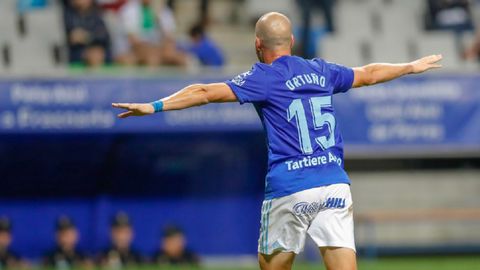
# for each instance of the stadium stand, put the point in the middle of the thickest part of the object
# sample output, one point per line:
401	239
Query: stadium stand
379	38
442	42
7	30
351	53
383	47
375	34
349	25
255	8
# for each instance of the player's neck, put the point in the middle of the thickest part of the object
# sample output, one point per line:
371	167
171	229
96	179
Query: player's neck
270	56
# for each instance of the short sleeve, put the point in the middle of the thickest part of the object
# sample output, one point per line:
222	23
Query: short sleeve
249	87
341	77
129	17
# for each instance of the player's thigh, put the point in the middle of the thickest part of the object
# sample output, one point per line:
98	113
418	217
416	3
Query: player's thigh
333	226
339	258
276	261
281	229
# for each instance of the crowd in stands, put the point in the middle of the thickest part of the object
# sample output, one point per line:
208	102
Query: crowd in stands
119	255
143	33
455	16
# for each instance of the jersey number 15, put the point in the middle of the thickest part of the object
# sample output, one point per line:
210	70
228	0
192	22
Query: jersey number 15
296	110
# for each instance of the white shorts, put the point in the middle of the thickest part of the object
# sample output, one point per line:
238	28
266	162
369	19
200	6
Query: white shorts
325	213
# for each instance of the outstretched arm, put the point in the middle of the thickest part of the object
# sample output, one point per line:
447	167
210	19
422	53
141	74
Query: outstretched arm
378	73
190	96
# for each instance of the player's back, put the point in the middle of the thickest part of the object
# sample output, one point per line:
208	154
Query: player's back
293	98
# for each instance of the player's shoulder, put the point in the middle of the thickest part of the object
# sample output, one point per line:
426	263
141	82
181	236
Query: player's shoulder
318	64
254	74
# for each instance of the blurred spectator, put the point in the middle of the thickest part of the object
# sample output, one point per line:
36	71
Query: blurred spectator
66	255
113	5
306	8
472	52
148	35
204	48
173	249
8	260
120	254
203	14
449	15
87	36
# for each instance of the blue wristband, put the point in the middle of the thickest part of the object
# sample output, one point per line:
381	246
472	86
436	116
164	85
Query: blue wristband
157	105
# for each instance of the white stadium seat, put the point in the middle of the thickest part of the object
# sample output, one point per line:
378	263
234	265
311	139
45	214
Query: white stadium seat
390	50
45	24
8	29
341	50
256	8
8	19
354	19
441	43
31	56
400	22
3	69
33	52
414	5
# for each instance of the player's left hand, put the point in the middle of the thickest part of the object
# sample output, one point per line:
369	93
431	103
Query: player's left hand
426	63
134	109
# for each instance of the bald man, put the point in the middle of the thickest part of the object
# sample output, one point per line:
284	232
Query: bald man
307	189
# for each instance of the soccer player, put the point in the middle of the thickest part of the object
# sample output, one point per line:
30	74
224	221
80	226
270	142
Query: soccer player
307	190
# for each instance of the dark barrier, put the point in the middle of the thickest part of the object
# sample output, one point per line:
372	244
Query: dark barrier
212	226
412	116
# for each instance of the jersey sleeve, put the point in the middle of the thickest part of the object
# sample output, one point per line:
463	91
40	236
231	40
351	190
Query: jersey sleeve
341	77
249	87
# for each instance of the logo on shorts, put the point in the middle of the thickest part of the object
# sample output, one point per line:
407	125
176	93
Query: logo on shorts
334	203
306	208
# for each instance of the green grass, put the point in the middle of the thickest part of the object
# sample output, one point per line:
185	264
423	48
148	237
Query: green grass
433	263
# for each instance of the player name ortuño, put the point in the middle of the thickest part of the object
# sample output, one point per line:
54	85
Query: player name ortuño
310	161
304	79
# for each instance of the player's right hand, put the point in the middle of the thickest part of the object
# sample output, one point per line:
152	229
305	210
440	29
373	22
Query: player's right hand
426	63
134	109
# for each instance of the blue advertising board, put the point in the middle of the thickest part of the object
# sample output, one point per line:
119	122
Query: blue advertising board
413	114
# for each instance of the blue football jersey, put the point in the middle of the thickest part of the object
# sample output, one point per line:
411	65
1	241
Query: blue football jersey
293	97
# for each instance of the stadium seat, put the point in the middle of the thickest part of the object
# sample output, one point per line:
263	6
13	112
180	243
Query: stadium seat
391	50
345	51
256	8
32	56
3	69
44	35
8	29
350	24
45	24
412	5
441	43
237	44
7	22
393	16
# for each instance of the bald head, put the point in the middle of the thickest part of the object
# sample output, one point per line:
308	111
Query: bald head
274	30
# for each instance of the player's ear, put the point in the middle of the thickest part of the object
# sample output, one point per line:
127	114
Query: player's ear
258	43
292	41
